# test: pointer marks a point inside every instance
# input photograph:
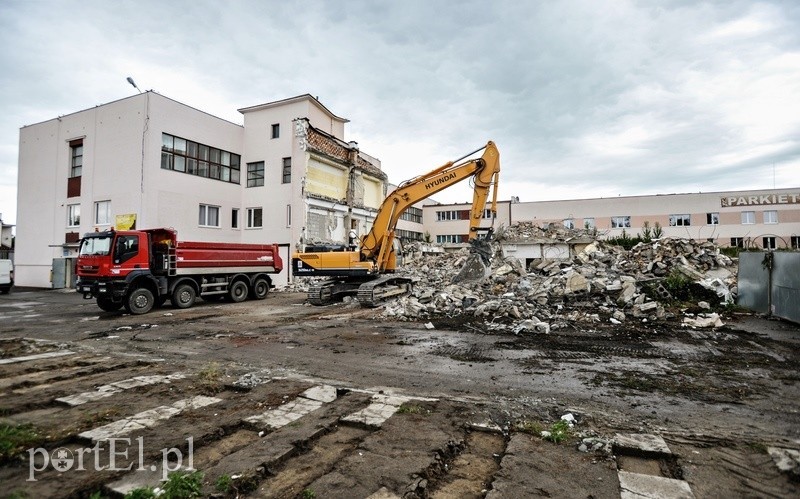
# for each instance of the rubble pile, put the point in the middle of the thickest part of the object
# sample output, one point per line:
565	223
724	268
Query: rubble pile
600	282
525	231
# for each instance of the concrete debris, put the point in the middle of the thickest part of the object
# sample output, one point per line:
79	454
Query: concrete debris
703	321
593	282
787	460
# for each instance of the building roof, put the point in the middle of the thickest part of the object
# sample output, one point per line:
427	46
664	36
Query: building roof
299	98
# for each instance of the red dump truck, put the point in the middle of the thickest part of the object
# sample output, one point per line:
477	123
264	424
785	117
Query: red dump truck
139	269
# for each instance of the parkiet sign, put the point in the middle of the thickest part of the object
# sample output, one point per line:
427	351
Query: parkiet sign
762	199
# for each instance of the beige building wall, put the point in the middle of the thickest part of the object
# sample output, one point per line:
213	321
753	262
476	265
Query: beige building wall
719	216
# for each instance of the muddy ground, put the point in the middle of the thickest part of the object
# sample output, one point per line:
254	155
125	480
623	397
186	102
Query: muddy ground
469	426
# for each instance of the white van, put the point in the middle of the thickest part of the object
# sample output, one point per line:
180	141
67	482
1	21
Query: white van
6	276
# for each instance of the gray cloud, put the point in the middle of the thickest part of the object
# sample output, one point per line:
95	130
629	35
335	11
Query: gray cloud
584	98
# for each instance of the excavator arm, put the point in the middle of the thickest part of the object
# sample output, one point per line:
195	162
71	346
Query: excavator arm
369	271
377	244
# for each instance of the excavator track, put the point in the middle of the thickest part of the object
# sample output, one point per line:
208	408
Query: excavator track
320	293
373	293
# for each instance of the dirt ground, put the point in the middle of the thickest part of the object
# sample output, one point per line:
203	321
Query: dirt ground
469	426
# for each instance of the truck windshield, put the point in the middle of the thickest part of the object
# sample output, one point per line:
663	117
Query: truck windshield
96	246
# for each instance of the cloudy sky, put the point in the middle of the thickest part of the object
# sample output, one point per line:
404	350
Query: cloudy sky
584	98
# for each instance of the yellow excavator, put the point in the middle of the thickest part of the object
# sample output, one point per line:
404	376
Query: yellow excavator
369	271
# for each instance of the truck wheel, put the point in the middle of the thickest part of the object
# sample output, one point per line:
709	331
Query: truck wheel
260	289
108	304
183	296
238	292
140	301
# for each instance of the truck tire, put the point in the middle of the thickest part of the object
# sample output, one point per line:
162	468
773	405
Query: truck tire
260	289
108	304
238	292
183	296
139	301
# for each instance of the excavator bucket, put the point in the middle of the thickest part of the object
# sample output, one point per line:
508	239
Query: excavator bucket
477	265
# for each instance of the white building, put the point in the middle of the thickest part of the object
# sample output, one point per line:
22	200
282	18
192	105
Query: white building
286	176
749	219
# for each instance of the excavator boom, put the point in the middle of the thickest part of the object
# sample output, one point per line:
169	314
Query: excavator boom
363	272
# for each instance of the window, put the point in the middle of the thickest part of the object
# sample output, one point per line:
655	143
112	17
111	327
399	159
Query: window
102	213
254	218
209	216
748	217
235	218
487	213
768	242
737	242
127	248
255	174
770	217
588	223
442	216
620	222
287	170
412	215
288	215
76	158
682	220
795	242
276	130
73	215
185	156
569	223
409	235
451	238
712	218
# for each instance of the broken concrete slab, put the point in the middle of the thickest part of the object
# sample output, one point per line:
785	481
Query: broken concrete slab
320	393
147	419
640	443
638	486
284	414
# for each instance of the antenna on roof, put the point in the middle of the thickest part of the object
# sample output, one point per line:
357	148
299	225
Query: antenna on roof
130	80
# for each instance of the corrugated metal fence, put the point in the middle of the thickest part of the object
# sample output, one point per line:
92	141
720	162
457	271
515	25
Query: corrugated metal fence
769	283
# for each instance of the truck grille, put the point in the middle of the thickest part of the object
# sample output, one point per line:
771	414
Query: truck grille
89	269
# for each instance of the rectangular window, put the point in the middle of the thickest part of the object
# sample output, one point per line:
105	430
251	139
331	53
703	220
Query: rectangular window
620	222
209	216
770	217
682	220
588	223
287	170
737	242
288	215
412	214
255	174
452	238
185	156
487	213
254	218
795	241
409	235
748	217
73	215
235	218
569	223
276	130
76	158
768	243
712	218
102	213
